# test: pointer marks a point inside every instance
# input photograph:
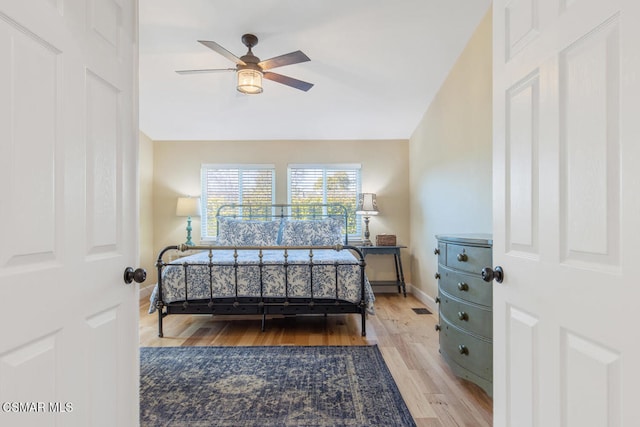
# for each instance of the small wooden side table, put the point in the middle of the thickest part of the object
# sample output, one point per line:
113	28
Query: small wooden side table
388	250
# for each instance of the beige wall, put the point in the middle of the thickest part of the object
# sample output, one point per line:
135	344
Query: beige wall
146	247
385	171
450	159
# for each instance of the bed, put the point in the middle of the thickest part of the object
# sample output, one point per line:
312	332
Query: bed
269	260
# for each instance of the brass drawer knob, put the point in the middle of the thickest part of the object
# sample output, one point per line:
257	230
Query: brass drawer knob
463	287
463	349
436	251
437	300
437	275
438	328
463	316
462	257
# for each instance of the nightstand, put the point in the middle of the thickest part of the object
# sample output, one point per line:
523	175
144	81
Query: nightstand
388	250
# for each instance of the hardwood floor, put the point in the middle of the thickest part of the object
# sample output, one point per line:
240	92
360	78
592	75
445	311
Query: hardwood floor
408	342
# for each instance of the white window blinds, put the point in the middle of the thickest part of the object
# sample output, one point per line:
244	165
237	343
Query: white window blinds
233	184
327	184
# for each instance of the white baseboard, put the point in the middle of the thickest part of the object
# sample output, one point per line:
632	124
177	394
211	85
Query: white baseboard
419	294
423	298
145	292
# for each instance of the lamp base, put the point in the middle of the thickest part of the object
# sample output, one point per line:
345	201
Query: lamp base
189	242
366	242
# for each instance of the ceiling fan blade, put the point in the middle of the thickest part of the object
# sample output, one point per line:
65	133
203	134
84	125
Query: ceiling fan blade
282	60
222	51
204	71
289	81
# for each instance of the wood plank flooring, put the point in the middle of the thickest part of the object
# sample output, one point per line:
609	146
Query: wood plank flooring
408	342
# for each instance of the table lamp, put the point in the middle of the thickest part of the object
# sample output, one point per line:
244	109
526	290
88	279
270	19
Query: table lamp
188	206
367	207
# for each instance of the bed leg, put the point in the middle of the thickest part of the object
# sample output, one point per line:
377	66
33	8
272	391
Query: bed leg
264	321
364	324
160	334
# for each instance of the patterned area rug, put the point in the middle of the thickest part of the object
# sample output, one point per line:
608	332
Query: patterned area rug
268	386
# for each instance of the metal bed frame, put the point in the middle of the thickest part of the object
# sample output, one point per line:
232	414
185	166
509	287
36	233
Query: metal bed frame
284	305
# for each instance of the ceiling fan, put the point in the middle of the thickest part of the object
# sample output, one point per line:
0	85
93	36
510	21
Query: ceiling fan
250	69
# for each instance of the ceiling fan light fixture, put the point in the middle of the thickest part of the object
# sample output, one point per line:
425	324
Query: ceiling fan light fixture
249	81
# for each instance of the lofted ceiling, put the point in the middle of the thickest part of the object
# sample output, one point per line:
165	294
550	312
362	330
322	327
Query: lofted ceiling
375	65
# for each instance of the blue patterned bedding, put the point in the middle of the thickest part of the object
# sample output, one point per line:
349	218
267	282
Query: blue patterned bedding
221	284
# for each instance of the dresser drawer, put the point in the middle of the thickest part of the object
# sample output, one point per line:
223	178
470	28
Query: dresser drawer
471	318
442	253
475	354
466	286
471	259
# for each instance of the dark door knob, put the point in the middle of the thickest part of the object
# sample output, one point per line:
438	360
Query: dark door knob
496	274
138	275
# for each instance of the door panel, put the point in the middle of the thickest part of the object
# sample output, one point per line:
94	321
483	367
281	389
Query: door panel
103	152
522	336
566	98
68	162
28	164
522	123
589	84
591	373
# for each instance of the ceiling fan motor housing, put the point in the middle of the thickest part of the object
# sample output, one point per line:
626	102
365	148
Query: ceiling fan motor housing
251	62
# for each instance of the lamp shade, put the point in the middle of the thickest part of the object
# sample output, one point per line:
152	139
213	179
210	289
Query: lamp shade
249	81
188	206
367	204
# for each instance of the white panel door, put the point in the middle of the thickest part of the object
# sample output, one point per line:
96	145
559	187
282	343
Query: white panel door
566	212
68	165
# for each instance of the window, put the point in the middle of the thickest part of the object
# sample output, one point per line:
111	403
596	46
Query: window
328	184
239	184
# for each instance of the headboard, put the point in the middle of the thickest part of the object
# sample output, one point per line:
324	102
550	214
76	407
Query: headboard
306	212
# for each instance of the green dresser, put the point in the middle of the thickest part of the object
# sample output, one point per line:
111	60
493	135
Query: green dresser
466	318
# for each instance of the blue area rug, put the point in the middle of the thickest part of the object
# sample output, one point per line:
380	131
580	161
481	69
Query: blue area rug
268	386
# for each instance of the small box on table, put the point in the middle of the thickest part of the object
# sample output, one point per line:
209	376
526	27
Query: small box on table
386	240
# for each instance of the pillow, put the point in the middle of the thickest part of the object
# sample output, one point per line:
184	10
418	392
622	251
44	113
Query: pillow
236	232
325	232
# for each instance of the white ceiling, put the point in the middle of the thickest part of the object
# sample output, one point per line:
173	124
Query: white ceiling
376	66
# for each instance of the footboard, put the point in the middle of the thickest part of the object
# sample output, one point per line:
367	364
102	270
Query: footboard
262	280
